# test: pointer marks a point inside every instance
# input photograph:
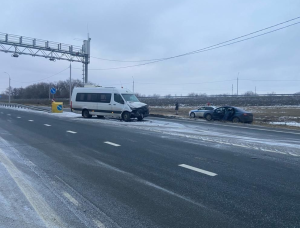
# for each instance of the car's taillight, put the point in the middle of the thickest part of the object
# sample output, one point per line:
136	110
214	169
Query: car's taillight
245	114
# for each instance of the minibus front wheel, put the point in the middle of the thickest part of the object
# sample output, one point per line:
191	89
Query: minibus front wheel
126	116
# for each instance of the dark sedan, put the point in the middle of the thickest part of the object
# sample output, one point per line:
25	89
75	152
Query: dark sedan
229	113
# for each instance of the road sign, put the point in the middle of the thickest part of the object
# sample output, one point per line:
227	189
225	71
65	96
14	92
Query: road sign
53	91
59	107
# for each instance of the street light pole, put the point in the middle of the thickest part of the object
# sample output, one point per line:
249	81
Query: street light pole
133	84
9	92
70	84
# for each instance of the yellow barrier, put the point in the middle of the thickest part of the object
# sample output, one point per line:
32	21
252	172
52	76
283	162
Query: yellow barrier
57	107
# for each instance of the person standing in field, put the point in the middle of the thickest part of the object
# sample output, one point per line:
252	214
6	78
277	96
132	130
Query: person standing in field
176	107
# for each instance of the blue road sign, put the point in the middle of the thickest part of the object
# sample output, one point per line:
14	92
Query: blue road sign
59	107
53	91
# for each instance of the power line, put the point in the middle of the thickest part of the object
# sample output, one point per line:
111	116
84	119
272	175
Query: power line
183	83
200	50
150	60
272	80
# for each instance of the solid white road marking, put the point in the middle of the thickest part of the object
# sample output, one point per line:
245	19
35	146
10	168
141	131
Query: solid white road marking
70	198
47	125
37	201
30	120
98	223
198	170
73	132
113	144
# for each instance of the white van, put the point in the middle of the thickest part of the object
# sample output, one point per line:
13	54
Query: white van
109	102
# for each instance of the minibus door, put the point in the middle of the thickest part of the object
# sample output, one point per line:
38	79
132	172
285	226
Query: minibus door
117	104
104	104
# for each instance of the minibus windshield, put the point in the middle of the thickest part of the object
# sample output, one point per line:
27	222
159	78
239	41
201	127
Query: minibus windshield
130	97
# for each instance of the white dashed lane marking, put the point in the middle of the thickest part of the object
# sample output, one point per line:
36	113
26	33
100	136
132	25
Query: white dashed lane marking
71	199
113	144
30	120
73	132
19	117
47	125
198	170
8	114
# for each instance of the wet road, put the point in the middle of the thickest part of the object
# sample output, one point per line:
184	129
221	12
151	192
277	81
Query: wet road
73	172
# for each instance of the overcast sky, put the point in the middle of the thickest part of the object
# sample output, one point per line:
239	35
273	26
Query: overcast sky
137	30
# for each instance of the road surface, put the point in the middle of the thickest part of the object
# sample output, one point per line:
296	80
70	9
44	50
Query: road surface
66	171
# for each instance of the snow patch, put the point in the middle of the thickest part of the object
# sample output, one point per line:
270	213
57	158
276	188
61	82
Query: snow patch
294	124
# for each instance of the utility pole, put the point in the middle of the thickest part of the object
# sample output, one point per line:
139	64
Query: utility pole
255	90
232	90
87	57
49	92
237	85
70	83
83	74
9	91
132	84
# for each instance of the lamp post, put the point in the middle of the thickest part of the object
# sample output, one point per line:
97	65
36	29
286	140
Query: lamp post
8	87
70	84
133	84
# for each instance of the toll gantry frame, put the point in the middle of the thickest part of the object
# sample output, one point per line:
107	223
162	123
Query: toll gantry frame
22	45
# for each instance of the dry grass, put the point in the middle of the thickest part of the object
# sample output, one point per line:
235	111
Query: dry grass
263	115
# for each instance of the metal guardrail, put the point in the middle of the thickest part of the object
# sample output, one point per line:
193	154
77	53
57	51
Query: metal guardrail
15	105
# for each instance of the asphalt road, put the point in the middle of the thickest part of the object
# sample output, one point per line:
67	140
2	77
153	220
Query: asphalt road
87	174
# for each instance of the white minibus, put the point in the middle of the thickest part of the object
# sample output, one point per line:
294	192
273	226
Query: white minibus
107	101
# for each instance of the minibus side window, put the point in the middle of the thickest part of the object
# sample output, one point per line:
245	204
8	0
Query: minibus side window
104	97
91	97
80	97
118	98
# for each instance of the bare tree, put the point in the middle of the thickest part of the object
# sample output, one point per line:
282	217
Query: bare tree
155	95
249	93
192	94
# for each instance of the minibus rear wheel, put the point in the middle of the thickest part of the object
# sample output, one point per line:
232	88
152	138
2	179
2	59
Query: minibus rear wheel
86	113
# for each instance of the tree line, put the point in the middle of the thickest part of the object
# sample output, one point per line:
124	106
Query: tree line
41	90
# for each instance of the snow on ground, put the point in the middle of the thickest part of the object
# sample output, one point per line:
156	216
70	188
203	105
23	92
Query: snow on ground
192	131
294	124
17	197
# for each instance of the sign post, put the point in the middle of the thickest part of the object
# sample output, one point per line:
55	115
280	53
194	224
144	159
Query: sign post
53	91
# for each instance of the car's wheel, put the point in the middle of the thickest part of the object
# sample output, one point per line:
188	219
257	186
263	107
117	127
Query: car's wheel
140	118
126	116
235	120
192	115
208	117
86	113
100	117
